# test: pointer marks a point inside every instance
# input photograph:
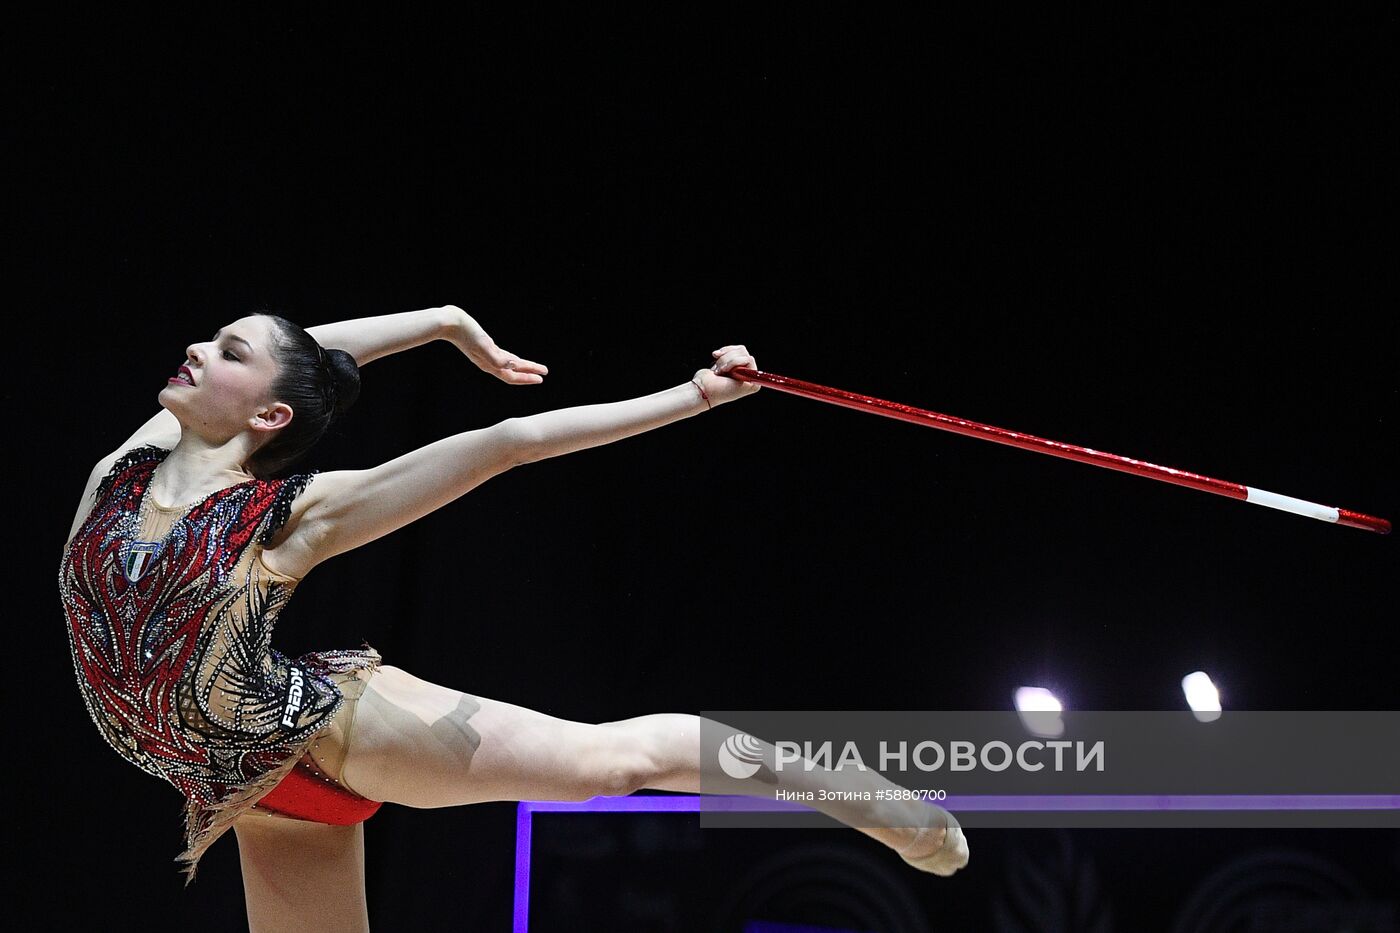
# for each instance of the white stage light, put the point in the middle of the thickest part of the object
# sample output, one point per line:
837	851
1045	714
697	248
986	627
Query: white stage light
1039	711
1201	695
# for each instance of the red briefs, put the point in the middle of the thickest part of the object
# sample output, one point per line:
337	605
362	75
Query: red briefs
306	794
315	788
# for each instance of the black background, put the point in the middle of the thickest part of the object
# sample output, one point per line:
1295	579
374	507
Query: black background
1164	234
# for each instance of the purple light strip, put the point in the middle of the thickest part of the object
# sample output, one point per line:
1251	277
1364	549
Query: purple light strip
1177	802
660	803
645	803
522	867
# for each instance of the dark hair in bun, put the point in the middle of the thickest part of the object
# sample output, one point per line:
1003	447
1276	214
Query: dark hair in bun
319	384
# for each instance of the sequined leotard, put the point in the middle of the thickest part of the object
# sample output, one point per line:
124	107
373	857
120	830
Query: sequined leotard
170	616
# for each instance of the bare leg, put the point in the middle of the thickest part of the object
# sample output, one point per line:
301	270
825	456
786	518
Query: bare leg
299	875
422	745
913	828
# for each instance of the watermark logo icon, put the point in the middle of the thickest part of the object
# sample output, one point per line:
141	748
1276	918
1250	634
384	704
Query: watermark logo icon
740	756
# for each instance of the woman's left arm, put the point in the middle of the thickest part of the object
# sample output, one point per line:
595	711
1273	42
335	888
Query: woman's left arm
369	338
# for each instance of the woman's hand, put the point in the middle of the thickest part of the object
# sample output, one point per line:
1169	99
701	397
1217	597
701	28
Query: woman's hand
468	336
721	388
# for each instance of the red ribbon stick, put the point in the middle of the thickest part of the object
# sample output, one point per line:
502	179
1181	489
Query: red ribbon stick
987	432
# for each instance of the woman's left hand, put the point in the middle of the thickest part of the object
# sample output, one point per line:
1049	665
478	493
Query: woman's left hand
469	337
720	388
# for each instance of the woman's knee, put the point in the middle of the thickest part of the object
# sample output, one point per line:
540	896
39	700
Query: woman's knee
618	764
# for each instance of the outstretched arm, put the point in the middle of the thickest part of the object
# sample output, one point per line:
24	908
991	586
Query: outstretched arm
369	338
344	509
552	433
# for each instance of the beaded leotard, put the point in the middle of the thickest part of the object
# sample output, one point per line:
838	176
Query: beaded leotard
170	616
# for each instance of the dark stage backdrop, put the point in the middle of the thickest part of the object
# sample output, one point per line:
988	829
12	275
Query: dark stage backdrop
1162	234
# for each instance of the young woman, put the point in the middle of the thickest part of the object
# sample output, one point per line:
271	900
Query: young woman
171	608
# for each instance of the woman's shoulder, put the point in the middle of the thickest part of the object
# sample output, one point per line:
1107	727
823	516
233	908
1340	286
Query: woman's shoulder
142	453
282	551
104	476
123	461
285	492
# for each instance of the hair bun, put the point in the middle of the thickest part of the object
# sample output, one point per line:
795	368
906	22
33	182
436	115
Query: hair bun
346	376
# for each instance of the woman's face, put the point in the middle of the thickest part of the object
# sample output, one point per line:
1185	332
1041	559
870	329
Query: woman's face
230	379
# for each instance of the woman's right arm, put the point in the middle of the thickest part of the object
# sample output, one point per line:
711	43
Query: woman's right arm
344	509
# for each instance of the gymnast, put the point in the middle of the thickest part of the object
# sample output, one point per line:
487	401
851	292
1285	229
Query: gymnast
191	537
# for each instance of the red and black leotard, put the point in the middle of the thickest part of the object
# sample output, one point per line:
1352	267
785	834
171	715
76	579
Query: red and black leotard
170	617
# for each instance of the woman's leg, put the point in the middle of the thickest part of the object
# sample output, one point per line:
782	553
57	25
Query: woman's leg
671	743
422	745
299	875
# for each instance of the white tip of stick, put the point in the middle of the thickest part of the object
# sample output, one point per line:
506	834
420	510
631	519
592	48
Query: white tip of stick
1289	504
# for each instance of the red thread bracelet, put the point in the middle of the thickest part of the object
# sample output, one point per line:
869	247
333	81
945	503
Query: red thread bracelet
706	397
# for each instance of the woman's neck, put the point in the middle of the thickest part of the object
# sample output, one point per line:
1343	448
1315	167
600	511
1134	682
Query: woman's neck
189	472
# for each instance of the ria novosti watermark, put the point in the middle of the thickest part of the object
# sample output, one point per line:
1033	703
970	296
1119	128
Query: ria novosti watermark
1105	769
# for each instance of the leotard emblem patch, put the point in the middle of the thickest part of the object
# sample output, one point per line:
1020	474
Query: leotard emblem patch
139	558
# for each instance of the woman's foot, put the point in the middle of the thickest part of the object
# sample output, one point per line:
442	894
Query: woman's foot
938	849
